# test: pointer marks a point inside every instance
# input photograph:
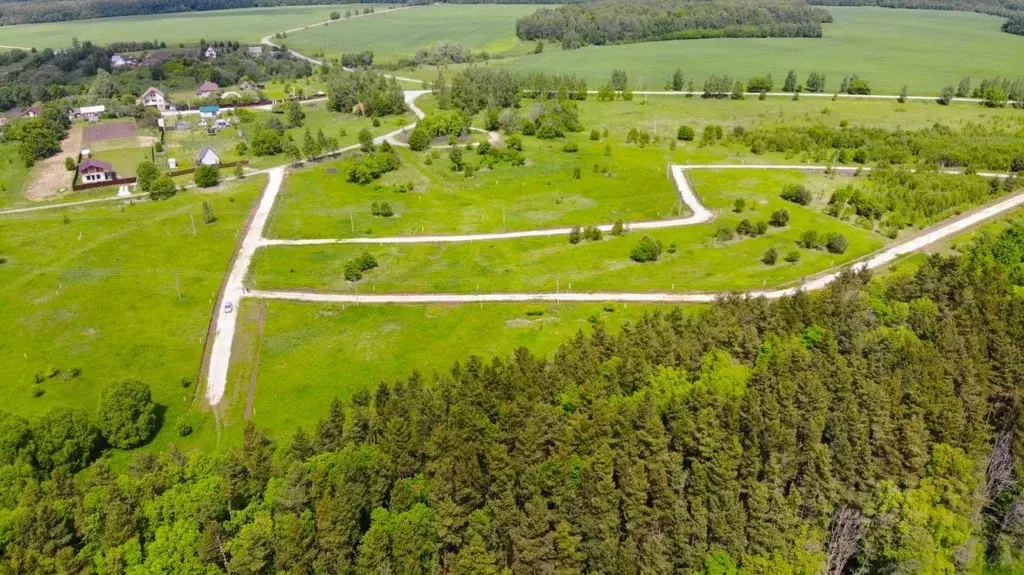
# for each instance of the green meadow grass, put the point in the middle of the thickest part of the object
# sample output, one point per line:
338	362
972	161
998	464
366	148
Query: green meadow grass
12	174
922	49
244	25
99	291
311	353
402	32
547	264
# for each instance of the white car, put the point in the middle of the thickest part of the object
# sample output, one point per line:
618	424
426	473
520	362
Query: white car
229	307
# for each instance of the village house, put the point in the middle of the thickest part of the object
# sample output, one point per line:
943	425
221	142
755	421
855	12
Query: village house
255	51
207	88
15	113
207	112
210	53
90	113
93	170
153	97
207	157
118	61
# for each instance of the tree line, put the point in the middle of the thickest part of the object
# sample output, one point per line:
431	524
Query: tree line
617	22
1005	8
871	427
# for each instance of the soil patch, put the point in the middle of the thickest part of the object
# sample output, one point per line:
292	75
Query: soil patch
49	176
113	131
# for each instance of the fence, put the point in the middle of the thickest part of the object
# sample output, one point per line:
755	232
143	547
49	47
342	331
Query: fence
91	185
185	171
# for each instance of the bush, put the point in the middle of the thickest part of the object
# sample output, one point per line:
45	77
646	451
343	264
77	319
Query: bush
646	250
746	228
771	255
514	142
127	414
793	256
184	429
810	240
418	140
64	438
69	164
760	228
162	189
592	233
779	218
836	243
577	173
796	193
575	235
739	205
570	147
685	133
595	135
371	166
207	176
618	228
724	233
366	261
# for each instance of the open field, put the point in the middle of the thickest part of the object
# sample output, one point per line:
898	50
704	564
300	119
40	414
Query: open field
117	291
243	25
547	264
311	353
887	47
12	174
390	36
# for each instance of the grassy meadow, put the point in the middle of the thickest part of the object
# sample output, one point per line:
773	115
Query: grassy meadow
308	353
542	264
400	33
116	291
243	25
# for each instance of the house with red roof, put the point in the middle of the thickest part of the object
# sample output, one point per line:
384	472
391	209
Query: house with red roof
93	170
207	88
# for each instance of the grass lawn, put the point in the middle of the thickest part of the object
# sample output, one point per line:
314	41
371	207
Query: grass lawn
402	32
308	353
547	264
12	174
99	292
889	48
244	25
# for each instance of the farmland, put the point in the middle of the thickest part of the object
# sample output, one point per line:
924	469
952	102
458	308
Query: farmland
481	27
243	25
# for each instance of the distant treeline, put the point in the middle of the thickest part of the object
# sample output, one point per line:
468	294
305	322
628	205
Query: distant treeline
623	22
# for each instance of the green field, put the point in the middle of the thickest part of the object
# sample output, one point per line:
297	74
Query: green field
308	353
244	25
402	32
924	50
12	174
117	291
546	264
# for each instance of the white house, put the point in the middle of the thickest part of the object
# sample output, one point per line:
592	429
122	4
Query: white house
207	157
90	113
255	51
153	97
210	53
118	61
93	170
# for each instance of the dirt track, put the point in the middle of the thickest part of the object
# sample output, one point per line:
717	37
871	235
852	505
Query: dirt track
48	176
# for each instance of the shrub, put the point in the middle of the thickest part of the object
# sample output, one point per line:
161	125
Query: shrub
570	147
529	128
592	233
145	174
127	414
575	235
162	188
646	250
376	122
577	173
771	255
810	240
760	228
618	228
796	193
371	166
779	218
746	228
418	140
515	142
158	147
685	133
366	261
739	205
836	243
184	429
724	233
595	135
793	256
386	211
207	176
353	272
69	164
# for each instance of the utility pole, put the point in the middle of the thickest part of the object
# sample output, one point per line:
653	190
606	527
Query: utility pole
177	288
352	221
193	218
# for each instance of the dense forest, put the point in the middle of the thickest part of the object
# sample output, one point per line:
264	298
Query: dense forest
618	22
994	7
872	427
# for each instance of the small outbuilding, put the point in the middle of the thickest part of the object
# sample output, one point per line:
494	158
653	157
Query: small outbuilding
207	88
207	157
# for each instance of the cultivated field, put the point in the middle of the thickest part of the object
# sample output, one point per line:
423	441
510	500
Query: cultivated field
107	292
401	33
889	48
243	25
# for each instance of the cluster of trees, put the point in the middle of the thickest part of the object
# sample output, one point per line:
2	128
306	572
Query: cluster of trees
1014	25
62	10
617	22
971	147
39	137
444	52
356	267
362	59
834	242
372	165
1005	8
864	428
365	91
893	199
